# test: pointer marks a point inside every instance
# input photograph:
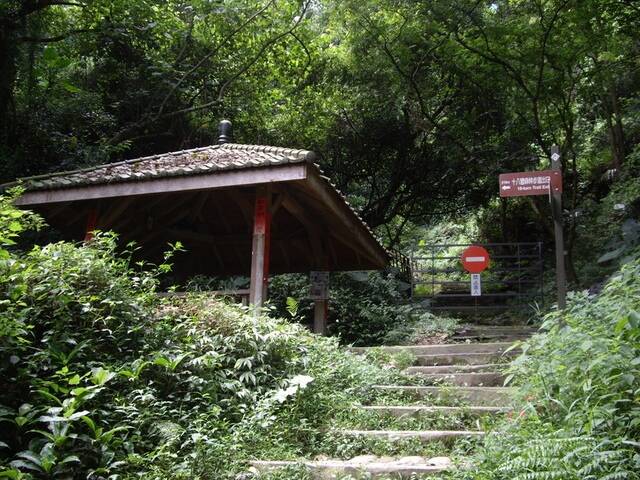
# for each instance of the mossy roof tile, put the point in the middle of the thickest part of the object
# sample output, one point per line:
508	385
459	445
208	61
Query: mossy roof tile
173	164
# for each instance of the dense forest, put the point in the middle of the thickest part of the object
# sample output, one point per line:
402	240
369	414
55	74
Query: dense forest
413	107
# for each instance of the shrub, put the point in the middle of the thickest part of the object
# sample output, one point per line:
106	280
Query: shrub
102	378
363	306
580	380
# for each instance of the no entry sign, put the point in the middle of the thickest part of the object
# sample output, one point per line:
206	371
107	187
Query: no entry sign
475	259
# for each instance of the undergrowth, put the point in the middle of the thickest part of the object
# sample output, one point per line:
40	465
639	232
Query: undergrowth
580	385
104	379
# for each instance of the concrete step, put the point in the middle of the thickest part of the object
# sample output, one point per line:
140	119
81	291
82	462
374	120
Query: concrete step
423	435
436	369
464	358
418	411
444	349
479	396
494	333
472	379
376	467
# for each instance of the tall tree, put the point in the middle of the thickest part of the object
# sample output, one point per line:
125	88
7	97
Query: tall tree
545	50
141	76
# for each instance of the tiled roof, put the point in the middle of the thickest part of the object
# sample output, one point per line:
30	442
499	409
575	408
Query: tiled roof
226	156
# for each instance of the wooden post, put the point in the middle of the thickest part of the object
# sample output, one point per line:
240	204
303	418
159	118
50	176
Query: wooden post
92	224
556	208
260	249
319	292
320	313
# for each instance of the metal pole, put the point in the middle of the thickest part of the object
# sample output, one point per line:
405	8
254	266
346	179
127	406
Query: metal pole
556	208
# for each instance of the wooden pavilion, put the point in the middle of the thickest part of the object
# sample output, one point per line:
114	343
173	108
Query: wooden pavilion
236	209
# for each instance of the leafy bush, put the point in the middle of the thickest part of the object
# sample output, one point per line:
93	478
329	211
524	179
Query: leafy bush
418	327
580	380
104	379
363	306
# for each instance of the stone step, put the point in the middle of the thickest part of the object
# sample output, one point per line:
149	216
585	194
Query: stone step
504	333
472	379
436	369
493	338
417	411
465	358
376	467
479	396
423	435
443	349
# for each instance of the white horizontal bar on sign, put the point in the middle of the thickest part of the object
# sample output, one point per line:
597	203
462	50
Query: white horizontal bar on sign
476	259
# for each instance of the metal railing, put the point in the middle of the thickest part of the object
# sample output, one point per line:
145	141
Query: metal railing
513	280
402	264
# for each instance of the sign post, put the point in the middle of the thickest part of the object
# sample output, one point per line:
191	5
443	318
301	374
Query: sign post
319	293
546	182
556	208
475	259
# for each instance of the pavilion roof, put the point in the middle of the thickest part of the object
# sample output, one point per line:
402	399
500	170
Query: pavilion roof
205	198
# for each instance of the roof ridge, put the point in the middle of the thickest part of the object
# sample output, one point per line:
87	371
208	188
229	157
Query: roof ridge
297	153
288	153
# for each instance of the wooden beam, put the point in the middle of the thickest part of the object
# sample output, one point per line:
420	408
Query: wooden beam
245	205
227	227
206	238
315	231
184	183
114	213
367	245
53	211
219	258
197	207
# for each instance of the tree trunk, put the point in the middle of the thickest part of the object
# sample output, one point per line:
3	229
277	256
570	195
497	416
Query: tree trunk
615	131
7	79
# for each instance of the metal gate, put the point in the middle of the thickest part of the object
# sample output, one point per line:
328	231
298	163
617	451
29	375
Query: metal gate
513	280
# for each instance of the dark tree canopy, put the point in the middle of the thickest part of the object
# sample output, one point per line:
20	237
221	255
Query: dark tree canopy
414	107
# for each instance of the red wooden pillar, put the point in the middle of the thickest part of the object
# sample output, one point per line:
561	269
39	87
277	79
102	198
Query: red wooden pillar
320	295
260	249
92	224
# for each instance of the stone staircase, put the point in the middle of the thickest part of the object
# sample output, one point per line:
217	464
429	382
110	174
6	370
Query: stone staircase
468	384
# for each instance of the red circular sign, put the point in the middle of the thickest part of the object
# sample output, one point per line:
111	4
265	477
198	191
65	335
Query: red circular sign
475	259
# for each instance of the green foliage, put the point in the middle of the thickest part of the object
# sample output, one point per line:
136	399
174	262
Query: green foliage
580	380
110	76
102	378
363	306
14	221
421	326
413	107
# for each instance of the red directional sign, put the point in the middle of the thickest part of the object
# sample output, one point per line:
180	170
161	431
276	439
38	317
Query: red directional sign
530	183
475	259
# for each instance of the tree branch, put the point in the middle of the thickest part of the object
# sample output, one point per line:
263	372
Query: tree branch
29	7
211	54
58	38
161	115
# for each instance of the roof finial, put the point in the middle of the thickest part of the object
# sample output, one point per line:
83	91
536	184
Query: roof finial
224	132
